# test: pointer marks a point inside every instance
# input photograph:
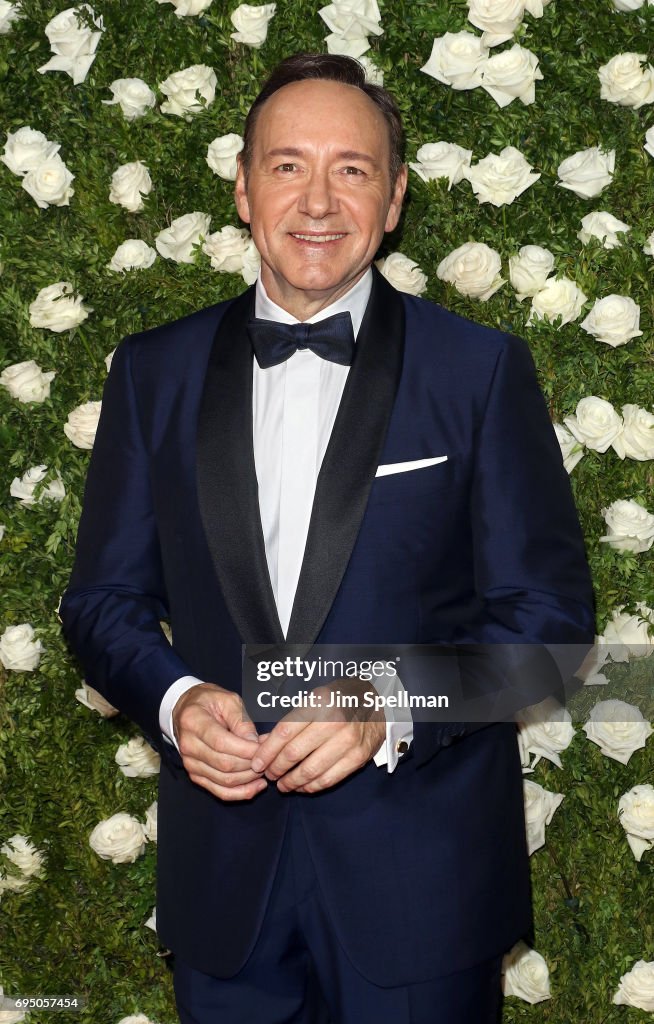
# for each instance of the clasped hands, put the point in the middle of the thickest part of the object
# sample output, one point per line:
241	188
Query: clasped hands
309	750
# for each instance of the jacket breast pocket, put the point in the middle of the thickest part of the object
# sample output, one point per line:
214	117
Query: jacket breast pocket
409	484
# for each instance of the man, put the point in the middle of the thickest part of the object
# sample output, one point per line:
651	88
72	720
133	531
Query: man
325	870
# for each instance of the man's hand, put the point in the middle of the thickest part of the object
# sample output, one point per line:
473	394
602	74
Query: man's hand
314	748
217	742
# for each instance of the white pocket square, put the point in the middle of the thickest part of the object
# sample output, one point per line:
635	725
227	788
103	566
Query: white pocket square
402	467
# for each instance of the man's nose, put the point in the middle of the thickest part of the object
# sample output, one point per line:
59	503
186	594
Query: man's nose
317	198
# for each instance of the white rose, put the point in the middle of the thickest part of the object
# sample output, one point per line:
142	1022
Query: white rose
530	269
625	82
630	526
615	320
132	254
135	1018
27	382
222	153
2	530
637	438
19	651
457	59
355	47
648	248
630	636
133	95
94	701
501	177
545	730
177	241
618	729
636	814
136	759
649	141
23	487
129	183
26	148
186	89
23	855
251	263
49	183
526	974
510	75
474	269
497	18
540	805
120	838
536	7
108	359
73	42
571	449
628	5
587	172
150	825
227	249
251	23
8	14
82	423
403	273
152	920
352	19
442	160
9	1016
604	226
55	308
374	75
595	423
184	8
636	987
558	297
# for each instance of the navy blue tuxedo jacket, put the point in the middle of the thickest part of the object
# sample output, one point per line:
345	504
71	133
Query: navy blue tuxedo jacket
482	548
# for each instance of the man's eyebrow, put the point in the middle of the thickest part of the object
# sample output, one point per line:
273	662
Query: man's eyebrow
345	154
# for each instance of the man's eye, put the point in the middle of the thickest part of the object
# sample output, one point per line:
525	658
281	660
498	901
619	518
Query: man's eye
353	170
286	167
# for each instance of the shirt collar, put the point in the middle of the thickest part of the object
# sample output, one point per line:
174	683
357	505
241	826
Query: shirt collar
353	302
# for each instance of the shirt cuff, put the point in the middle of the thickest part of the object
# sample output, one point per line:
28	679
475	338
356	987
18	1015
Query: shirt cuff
167	706
399	725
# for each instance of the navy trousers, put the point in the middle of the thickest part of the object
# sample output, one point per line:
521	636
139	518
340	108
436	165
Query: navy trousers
298	972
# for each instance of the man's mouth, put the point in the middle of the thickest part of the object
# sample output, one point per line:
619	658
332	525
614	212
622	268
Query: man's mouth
320	239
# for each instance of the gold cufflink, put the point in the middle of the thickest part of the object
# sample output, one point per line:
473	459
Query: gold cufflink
402	746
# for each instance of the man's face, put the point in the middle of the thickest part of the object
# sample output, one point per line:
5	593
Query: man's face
318	198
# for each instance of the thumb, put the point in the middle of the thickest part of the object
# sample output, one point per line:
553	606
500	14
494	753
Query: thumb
240	723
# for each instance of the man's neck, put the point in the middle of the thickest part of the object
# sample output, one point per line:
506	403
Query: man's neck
303	304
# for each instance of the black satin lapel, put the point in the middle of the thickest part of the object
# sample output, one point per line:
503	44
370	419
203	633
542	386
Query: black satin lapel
351	459
227	482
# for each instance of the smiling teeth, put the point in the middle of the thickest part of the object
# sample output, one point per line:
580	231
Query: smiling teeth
318	238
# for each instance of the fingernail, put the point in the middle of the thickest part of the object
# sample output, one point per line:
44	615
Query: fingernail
252	736
257	765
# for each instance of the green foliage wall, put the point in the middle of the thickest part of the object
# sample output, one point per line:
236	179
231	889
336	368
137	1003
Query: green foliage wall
80	928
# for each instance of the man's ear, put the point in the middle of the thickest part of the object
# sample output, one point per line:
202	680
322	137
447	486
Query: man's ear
240	192
397	198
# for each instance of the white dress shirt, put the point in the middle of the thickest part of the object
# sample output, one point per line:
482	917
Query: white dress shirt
294	405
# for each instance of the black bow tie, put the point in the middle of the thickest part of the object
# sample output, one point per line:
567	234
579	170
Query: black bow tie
331	338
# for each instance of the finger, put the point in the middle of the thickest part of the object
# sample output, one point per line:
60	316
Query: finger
203	731
312	738
283	733
199	769
332	762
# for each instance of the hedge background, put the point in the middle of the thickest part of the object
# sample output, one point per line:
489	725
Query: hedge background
80	929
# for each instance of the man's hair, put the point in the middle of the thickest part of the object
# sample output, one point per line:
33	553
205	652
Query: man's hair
328	67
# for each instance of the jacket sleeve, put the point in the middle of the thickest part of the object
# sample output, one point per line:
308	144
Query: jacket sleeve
116	595
535	617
